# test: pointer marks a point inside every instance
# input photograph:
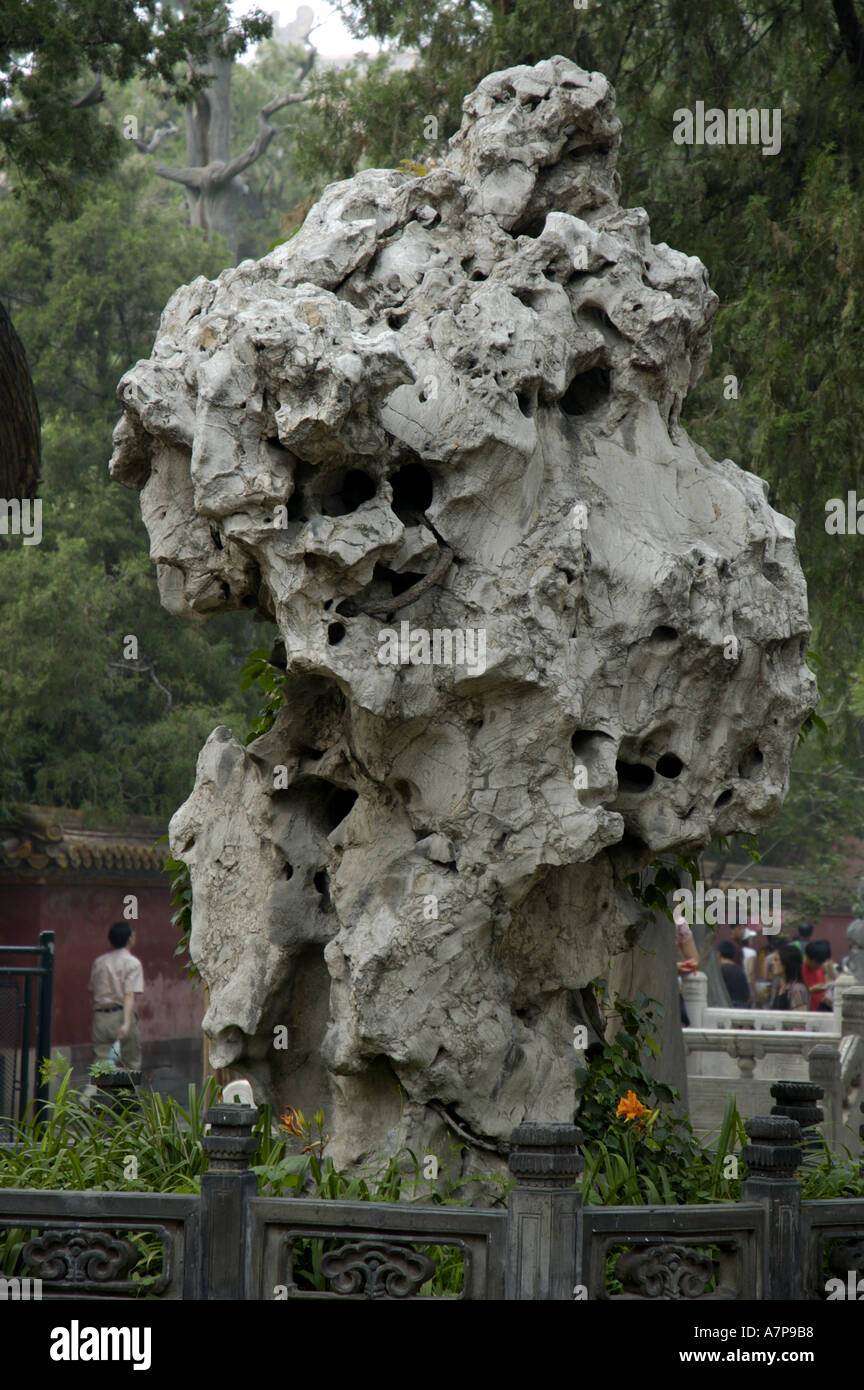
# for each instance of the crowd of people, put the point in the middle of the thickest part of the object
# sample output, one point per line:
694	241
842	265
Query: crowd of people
798	975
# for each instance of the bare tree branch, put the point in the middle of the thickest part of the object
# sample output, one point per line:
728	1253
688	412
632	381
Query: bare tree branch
93	97
226	172
192	178
158	138
217	175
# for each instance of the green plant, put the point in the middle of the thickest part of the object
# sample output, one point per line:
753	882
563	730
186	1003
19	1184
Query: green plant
638	1148
259	669
181	901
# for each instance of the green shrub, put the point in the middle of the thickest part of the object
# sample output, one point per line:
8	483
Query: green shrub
651	1156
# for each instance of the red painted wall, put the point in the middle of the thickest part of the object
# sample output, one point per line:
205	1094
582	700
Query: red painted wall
80	916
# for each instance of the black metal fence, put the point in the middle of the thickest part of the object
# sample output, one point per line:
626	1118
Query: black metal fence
26	999
228	1243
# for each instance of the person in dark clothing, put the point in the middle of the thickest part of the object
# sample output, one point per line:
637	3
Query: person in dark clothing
789	991
733	974
805	933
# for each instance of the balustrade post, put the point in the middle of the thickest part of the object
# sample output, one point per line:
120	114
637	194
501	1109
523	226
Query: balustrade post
694	987
798	1100
773	1156
226	1189
544	1213
823	1065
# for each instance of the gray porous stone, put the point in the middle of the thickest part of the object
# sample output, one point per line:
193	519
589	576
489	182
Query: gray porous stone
453	402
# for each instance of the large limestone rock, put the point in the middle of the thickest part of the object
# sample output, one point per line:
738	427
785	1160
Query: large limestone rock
452	402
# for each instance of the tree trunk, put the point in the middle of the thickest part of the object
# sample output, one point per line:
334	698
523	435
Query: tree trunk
20	440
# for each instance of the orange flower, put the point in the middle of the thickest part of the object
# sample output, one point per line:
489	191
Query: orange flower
631	1107
291	1121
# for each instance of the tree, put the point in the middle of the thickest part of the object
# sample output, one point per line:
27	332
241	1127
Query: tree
54	57
89	719
20	442
217	197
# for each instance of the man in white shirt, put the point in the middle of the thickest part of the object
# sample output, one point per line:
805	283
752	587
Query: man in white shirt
115	978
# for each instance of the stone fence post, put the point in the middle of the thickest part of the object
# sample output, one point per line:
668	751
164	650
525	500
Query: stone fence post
544	1213
694	987
851	1010
773	1155
226	1189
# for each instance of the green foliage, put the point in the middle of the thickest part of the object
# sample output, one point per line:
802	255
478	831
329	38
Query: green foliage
181	901
825	1176
82	1147
51	126
258	669
654	1158
655	884
82	726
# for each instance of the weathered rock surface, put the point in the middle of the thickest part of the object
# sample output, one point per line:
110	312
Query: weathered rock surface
453	402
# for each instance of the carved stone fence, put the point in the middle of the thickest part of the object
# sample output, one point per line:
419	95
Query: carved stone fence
230	1244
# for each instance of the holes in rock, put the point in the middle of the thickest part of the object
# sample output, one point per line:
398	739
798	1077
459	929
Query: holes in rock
338	805
412	493
751	762
532	226
525	401
288	871
295	507
587	391
345	492
311	562
477	275
594	313
527	1016
633	777
669	765
663	636
335	633
724	798
313	753
226	589
188	845
321	881
583	741
397	583
630	852
215	537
